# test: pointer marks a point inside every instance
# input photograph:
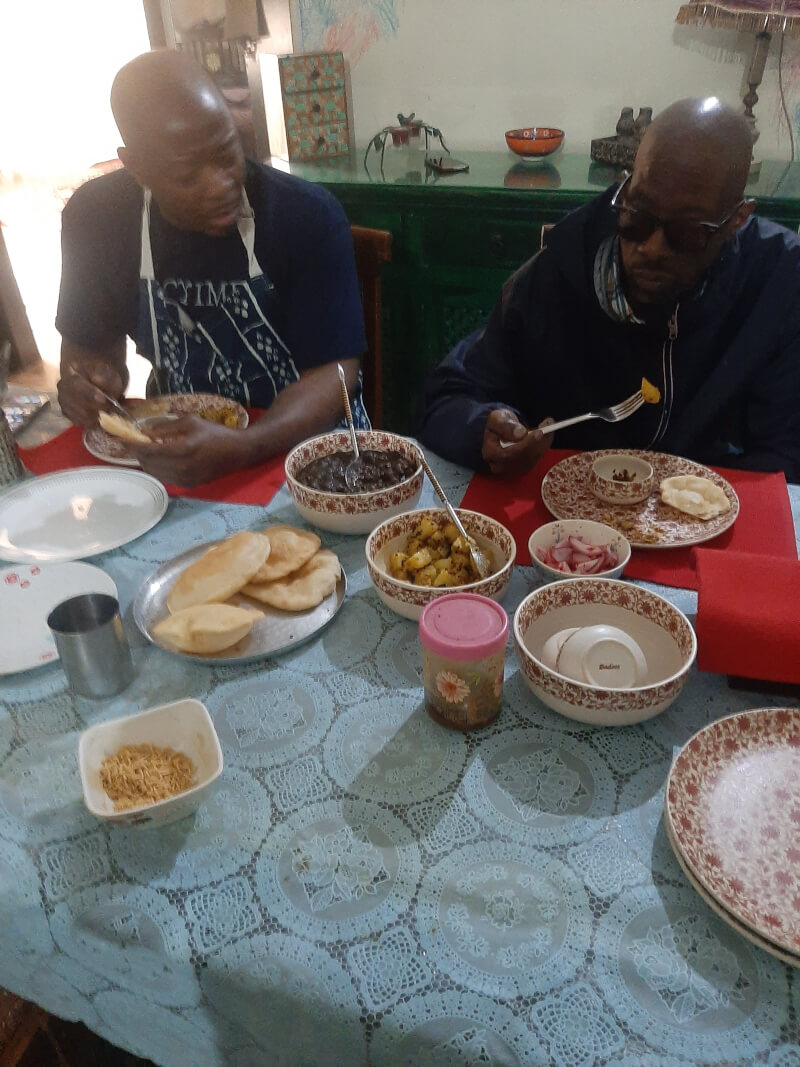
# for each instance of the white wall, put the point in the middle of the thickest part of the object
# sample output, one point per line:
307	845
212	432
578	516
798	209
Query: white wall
476	68
58	62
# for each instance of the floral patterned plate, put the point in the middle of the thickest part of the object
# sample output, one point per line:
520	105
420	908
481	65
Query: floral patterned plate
649	524
111	449
723	913
733	806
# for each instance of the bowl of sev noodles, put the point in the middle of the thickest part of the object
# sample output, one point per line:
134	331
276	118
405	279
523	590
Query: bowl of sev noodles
151	768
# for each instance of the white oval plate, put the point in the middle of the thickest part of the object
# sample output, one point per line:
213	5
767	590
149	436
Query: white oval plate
77	513
28	593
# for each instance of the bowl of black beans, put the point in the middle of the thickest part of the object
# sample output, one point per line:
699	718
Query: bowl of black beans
386	479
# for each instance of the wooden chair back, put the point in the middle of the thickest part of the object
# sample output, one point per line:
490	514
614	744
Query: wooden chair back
372	249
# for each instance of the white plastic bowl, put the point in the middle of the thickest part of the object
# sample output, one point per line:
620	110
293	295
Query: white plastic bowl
183	725
593	533
663	633
408	599
352	513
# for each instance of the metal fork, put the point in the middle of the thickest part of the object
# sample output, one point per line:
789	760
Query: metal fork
616	413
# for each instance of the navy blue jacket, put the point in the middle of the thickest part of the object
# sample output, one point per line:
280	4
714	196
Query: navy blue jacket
729	376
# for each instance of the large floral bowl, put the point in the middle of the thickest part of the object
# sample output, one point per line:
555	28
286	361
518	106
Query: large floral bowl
662	631
352	513
408	599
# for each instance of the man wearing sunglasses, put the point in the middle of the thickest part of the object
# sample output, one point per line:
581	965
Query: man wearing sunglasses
668	276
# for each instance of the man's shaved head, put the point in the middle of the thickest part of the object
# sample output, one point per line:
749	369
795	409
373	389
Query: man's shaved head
158	93
701	140
180	140
691	169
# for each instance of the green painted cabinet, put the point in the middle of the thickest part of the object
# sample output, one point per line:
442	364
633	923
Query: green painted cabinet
456	238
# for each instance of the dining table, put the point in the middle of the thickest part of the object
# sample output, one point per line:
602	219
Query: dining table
365	888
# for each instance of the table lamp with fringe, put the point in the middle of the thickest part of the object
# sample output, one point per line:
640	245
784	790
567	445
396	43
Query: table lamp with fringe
764	18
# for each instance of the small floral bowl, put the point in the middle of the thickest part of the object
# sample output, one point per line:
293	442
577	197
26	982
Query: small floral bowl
663	633
621	478
588	531
408	599
352	513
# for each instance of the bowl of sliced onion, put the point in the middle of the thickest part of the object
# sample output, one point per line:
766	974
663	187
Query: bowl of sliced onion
578	548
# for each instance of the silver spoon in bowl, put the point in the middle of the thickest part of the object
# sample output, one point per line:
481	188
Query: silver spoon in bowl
478	556
351	470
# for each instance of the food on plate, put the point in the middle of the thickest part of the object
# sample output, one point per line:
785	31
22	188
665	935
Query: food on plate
144	774
695	496
221	572
226	416
570	555
643	534
435	554
304	589
373	470
623	475
122	428
290	548
650	392
207	628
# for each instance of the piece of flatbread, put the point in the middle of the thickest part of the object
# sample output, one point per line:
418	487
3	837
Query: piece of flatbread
207	628
119	427
290	548
303	589
698	497
219	573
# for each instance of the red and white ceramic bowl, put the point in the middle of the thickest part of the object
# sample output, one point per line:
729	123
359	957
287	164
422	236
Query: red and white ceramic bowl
606	483
408	599
661	630
352	513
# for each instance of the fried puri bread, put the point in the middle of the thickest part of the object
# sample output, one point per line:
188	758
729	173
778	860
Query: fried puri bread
122	428
290	549
695	496
304	589
207	628
219	573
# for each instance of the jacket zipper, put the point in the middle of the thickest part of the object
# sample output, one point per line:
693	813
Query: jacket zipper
667	385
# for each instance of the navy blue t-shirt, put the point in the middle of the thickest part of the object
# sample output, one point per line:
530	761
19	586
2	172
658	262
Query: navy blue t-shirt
303	245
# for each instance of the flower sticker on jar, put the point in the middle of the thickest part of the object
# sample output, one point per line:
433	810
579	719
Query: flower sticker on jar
463	639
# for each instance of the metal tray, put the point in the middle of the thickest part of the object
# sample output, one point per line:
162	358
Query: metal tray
278	631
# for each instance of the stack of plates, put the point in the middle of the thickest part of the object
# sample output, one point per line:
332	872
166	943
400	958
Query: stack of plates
732	813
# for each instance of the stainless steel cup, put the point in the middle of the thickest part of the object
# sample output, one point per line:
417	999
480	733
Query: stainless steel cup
91	642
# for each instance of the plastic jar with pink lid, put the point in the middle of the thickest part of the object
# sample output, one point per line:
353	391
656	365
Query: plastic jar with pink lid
463	639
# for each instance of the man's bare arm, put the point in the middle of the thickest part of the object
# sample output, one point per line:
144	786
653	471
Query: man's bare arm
104	367
192	451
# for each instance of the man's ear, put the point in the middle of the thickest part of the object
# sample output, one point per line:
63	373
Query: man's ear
743	213
128	160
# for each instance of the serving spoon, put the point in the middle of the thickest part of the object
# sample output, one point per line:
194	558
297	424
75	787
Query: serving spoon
479	558
351	470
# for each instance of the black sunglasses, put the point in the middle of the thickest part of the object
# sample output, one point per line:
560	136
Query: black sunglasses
683	236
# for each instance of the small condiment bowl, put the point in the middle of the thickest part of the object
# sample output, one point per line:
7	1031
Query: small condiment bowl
592	533
184	725
534	142
662	632
352	513
615	490
408	599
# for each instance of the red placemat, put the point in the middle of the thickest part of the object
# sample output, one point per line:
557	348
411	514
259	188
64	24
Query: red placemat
257	485
747	615
764	522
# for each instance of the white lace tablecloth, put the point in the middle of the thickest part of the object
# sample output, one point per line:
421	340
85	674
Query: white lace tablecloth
364	886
